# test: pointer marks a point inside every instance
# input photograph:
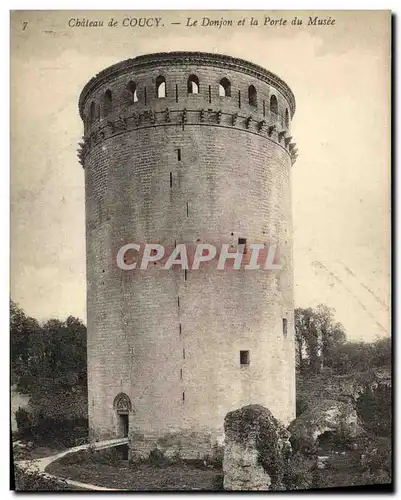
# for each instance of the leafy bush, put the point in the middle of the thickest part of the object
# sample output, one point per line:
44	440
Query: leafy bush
33	481
57	432
156	457
24	423
376	460
301	406
352	357
299	472
374	410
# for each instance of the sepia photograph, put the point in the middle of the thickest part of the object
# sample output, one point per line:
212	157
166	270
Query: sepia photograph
200	264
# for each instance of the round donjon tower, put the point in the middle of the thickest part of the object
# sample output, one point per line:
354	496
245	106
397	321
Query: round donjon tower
186	147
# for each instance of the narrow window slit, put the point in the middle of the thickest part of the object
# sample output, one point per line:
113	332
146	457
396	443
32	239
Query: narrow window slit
183	396
171	180
264	108
239	98
145	95
287	119
183	353
181	374
178	301
179	154
180	329
187	210
210	94
285	326
185	274
252	96
176	93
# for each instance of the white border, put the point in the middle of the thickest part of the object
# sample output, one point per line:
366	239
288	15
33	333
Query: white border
5	139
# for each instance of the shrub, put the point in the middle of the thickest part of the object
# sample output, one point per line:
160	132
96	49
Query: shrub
301	406
156	457
44	429
374	409
24	423
376	460
33	481
299	472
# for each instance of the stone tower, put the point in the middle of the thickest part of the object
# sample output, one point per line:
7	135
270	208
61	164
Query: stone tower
186	147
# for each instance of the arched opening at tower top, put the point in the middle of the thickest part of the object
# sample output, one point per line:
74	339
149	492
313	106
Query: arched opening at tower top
107	102
273	104
92	112
130	93
193	84
161	86
225	88
252	96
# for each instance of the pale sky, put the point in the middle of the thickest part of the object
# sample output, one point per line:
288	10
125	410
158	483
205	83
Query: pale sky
340	76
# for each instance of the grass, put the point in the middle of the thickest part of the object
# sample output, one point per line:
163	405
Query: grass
142	476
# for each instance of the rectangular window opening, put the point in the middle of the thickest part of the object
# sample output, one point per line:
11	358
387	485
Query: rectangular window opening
187	210
210	94
179	154
185	275
180	329
244	357
176	93
183	396
181	374
144	94
178	301
239	98
285	326
171	180
242	241
264	108
183	353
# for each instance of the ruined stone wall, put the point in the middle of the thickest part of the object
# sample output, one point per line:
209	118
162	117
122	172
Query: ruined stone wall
175	170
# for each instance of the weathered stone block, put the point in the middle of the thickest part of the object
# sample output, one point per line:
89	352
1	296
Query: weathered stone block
256	450
333	416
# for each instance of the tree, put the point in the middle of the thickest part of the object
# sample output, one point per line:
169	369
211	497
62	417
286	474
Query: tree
360	356
48	362
303	335
22	328
332	333
49	355
316	335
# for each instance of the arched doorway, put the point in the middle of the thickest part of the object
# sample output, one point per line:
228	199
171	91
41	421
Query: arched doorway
123	407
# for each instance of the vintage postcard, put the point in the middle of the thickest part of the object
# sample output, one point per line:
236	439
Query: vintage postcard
200	250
